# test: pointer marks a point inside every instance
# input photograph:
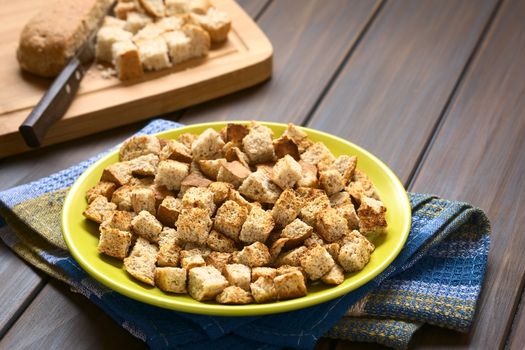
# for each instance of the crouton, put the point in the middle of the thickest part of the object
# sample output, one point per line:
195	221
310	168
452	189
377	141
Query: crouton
194	179
309	175
199	197
137	146
258	187
239	199
317	153
201	249
257	226
135	21
234	295
160	192
229	219
312	208
122	198
330	225
144	165
238	275
154	8
194	225
143	199
258	144
236	132
153	52
102	188
284	269
286	208
141	182
263	290
200	40
99	209
221	191
114	242
169	210
291	257
345	165
348	212
233	172
106	37
335	276
175	150
331	181
190	259
316	262
147	226
118	173
233	153
355	252
187	139
268	272
290	285
176	7
276	247
141	262
361	185
314	239
299	137
219	260
372	216
171	279
126	59
171	173
210	168
123	9
255	255
169	248
296	232
217	23
220	243
205	283
208	145
333	249
286	172
118	219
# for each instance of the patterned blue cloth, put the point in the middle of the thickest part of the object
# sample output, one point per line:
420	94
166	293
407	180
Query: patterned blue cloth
436	279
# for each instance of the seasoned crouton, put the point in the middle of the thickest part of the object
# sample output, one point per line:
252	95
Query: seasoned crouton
258	144
316	262
219	260
169	210
286	172
141	262
309	175
258	187
233	153
263	290
143	199
286	208
176	151
317	153
236	132
345	165
255	255
221	191
122	198
361	185
234	295
296	232
210	167
314	239
284	269
194	179
137	146
141	181
199	197
118	219
160	192
268	272
330	225
171	173
190	259
238	275
114	242
119	173
194	225
285	146
102	188
233	173
355	253
201	249
99	209
340	198
298	136
334	276
291	257
217	23
290	285
235	196
277	247
333	249
171	279
205	283
147	226
347	211
312	208
144	165
169	248
187	139
229	219
372	216
331	181
257	226
220	243
208	145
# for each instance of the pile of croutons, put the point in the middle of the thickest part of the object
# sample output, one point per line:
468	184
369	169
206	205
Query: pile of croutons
235	215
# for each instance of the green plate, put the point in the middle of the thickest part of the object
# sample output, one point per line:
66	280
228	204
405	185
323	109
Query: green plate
81	235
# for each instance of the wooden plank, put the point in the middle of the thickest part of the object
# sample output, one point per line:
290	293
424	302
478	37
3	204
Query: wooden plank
478	157
517	336
310	41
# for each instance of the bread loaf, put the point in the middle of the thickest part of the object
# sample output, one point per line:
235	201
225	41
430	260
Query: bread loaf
54	35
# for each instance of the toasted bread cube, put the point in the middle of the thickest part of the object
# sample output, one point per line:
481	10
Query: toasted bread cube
372	216
314	239
194	225
268	272
199	197
153	53
345	165
144	165
122	198
99	209
297	232
331	181
317	153
220	243
229	219
161	192
233	153
235	296
361	185
200	40
154	8
291	257
123	9
137	146
187	139
219	260
290	285
258	144
217	23
201	249
263	290
171	279
102	188
143	199
208	145
205	283
114	22
277	246
135	21
106	37
126	59
286	172
236	132
190	259
309	175
285	146
171	173
284	269
355	252
147	226
210	167
169	248
175	150
114	242
335	276
174	7
221	191
235	196
118	219
255	255
314	207
258	187
257	226
169	210
141	262
286	208
316	262
330	225
194	179
332	249
299	137
233	172
348	212
118	173
238	275
179	46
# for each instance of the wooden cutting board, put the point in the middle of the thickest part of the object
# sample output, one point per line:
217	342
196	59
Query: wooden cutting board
245	59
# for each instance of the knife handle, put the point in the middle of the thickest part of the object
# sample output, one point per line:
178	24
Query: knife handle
54	104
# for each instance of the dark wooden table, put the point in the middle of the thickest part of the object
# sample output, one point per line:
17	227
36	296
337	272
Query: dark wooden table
435	88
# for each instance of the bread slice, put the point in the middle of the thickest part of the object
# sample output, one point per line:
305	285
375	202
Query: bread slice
106	37
217	23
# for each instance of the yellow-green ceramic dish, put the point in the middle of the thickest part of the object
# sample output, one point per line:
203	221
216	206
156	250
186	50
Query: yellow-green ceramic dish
81	235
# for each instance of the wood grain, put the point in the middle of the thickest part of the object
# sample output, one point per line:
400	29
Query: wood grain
517	336
306	55
478	156
395	85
